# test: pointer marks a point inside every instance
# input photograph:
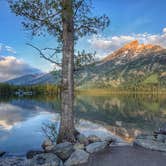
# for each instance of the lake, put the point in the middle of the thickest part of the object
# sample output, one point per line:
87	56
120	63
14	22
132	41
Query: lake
22	119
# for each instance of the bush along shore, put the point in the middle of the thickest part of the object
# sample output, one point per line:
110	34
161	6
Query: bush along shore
63	154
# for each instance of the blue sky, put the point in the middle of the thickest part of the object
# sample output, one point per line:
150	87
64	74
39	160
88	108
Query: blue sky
130	19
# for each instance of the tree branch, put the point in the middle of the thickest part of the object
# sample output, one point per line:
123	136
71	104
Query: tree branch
79	5
44	56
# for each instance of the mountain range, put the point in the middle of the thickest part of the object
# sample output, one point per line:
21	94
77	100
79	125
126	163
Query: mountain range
132	65
39	78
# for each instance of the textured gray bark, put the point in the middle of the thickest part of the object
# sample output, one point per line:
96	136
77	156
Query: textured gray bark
67	130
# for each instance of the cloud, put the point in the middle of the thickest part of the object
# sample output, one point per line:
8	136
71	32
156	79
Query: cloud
164	30
105	45
11	67
6	49
10	49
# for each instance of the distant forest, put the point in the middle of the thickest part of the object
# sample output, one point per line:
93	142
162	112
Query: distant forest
54	90
47	89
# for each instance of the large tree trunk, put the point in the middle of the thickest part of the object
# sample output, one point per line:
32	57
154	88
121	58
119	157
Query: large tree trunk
67	129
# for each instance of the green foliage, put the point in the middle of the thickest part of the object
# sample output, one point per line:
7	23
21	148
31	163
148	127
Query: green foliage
43	17
83	59
152	79
6	89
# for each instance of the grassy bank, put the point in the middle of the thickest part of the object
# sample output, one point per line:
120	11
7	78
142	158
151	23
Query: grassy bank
161	91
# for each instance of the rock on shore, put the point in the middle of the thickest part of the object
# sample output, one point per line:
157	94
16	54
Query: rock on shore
96	147
45	159
2	153
65	153
77	157
13	161
149	142
64	150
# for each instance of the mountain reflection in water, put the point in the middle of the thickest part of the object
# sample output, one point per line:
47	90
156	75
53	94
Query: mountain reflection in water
124	115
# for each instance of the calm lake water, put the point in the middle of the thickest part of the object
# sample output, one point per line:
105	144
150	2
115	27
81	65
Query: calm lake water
21	119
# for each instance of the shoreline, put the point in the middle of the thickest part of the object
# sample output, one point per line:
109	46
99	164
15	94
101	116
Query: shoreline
129	154
116	155
120	92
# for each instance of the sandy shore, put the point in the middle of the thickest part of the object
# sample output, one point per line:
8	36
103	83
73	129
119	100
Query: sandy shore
127	156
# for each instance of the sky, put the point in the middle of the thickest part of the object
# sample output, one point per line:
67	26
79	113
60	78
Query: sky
142	20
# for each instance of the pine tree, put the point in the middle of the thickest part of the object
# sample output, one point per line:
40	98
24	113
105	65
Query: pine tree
67	21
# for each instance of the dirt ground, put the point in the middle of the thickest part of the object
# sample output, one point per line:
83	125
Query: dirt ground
127	156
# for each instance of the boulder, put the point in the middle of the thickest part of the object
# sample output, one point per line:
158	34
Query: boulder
96	147
13	161
161	138
144	136
2	153
78	157
149	142
109	140
63	150
82	139
78	146
93	138
32	153
45	159
120	144
49	148
46	143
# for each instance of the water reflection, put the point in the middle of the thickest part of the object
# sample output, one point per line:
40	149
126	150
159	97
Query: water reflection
20	124
126	116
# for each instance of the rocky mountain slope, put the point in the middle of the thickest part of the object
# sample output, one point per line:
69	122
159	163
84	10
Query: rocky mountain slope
134	65
33	79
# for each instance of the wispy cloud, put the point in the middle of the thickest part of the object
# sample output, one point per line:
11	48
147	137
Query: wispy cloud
11	67
10	49
6	48
105	45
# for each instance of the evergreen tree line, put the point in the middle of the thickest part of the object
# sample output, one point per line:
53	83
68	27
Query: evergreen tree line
45	89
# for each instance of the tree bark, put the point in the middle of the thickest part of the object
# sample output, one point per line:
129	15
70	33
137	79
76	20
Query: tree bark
67	129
